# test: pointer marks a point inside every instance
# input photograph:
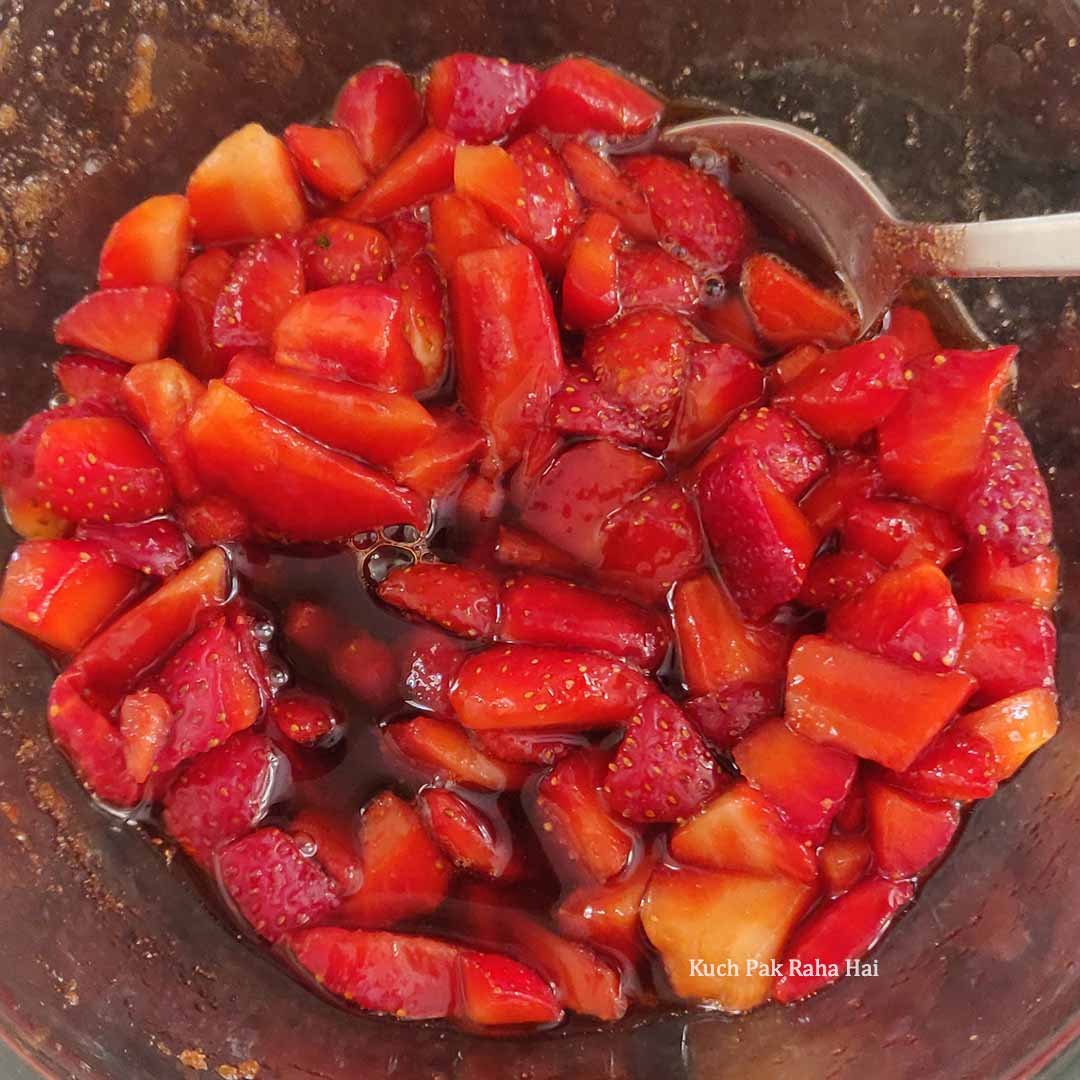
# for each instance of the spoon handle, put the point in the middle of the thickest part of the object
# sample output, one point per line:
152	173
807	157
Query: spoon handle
1047	246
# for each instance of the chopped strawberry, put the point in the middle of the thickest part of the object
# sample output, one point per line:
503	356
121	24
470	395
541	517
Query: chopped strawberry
958	765
986	574
149	245
851	478
1007	647
460	599
221	795
156	548
469	837
524	550
200	286
907	833
604	188
835	577
590	291
496	990
305	718
913	330
214	519
840	930
697	219
333	840
552	203
725	715
340	252
528	747
739	921
728	321
133	325
1015	727
428	662
579	96
145	724
316	494
61	591
867	705
382	111
246	188
851	817
365	666
801	359
788	310
606	915
844	861
92	379
649	277
581	407
478	98
408	233
423	298
898	533
489	176
436	465
460	225
328	159
931	445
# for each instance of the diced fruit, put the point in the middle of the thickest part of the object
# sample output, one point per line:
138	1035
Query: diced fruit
913	330
725	715
214	519
380	108
607	915
489	176
603	187
649	277
897	533
468	837
852	478
422	301
907	833
145	724
524	550
1008	647
408	233
92	379
958	765
460	599
460	225
867	705
265	281
552	204
844	860
986	574
133	325
496	990
156	548
364	665
245	189
305	718
436	464
1015	727
200	286
590	292
728	321
793	364
837	576
149	245
428	663
581	407
851	817
340	252
478	98
328	159
528	747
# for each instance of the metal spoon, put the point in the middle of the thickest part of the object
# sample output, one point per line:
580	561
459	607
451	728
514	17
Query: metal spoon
804	182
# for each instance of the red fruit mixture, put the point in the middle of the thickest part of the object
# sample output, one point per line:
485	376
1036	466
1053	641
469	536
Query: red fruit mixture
671	623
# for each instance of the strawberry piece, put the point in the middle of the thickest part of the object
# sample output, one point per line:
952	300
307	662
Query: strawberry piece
155	548
435	465
273	885
1007	505
354	332
460	225
908	615
161	396
847	393
898	533
788	310
836	577
913	330
867	705
428	662
460	599
365	666
1007	647
649	277
422	301
214	519
606	915
986	574
524	550
844	860
149	245
145	723
539	610
508	355
931	445
1015	727
801	359
469	838
372	424
496	990
478	98
717	645
443	750
725	715
423	169
839	931
526	686
603	187
489	176
582	408
328	159
661	771
739	830
735	919
579	96
316	494
99	469
907	833
305	718
380	108
61	591
790	455
552	203
408	233
334	842
246	188
957	765
92	379
851	478
590	290
804	781
728	321
221	795
200	286
760	539
697	219
528	747
133	325
340	252
851	817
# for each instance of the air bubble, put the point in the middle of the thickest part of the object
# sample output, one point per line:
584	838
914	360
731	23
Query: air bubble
263	631
384	559
59	400
401	534
279	677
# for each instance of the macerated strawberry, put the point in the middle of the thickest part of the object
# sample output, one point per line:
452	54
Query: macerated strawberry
407	232
844	861
133	324
838	575
851	817
959	765
907	833
898	533
145	723
423	299
839	930
528	747
199	288
214	519
726	714
436	465
793	364
156	548
496	990
986	574
649	277
304	717
478	98
1007	647
92	379
1015	727
604	188
328	159
581	407
428	661
149	245
365	666
382	111
340	252
469	837
728	321
607	914
590	290
913	330
524	550
460	599
851	478
696	218
460	225
221	795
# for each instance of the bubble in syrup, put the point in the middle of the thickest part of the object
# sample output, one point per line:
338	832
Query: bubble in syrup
384	559
279	677
263	631
59	400
366	539
307	845
401	534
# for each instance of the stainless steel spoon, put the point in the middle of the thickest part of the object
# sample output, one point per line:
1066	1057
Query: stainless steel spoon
804	182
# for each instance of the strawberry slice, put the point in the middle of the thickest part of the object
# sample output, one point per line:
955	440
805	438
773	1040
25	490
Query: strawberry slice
1015	727
61	591
552	203
273	885
307	719
246	188
1007	647
1007	505
460	225
796	362
581	407
381	109
156	548
340	252
837	576
460	599
898	533
603	187
468	837
738	921
423	298
496	990
851	478
528	747
931	445
907	833
489	176
145	723
649	277
524	550
661	771
92	379
149	245
508	355
913	330
908	615
697	219
526	686
725	715
986	574
844	861
590	291
328	159
199	288
364	665
788	310
958	765
739	830
607	915
408	233
221	795
316	494
478	98
372	424
579	96
214	519
841	930
728	320
436	465
133	325
867	705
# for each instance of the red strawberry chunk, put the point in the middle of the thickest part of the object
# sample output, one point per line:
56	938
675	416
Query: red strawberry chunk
793	364
851	478
1007	647
149	245
436	465
552	203
604	188
728	320
582	408
428	662
913	330
838	576
844	861
590	291
478	98
214	519
408	233
92	379
460	225
273	885
498	990
907	833
958	765
340	252
1015	727
524	550
221	795
328	159
155	548
423	298
649	277
489	176
469	837
725	715
898	533
984	573
305	718
608	916
661	771
133	325
145	723
380	108
460	599
193	339
528	747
